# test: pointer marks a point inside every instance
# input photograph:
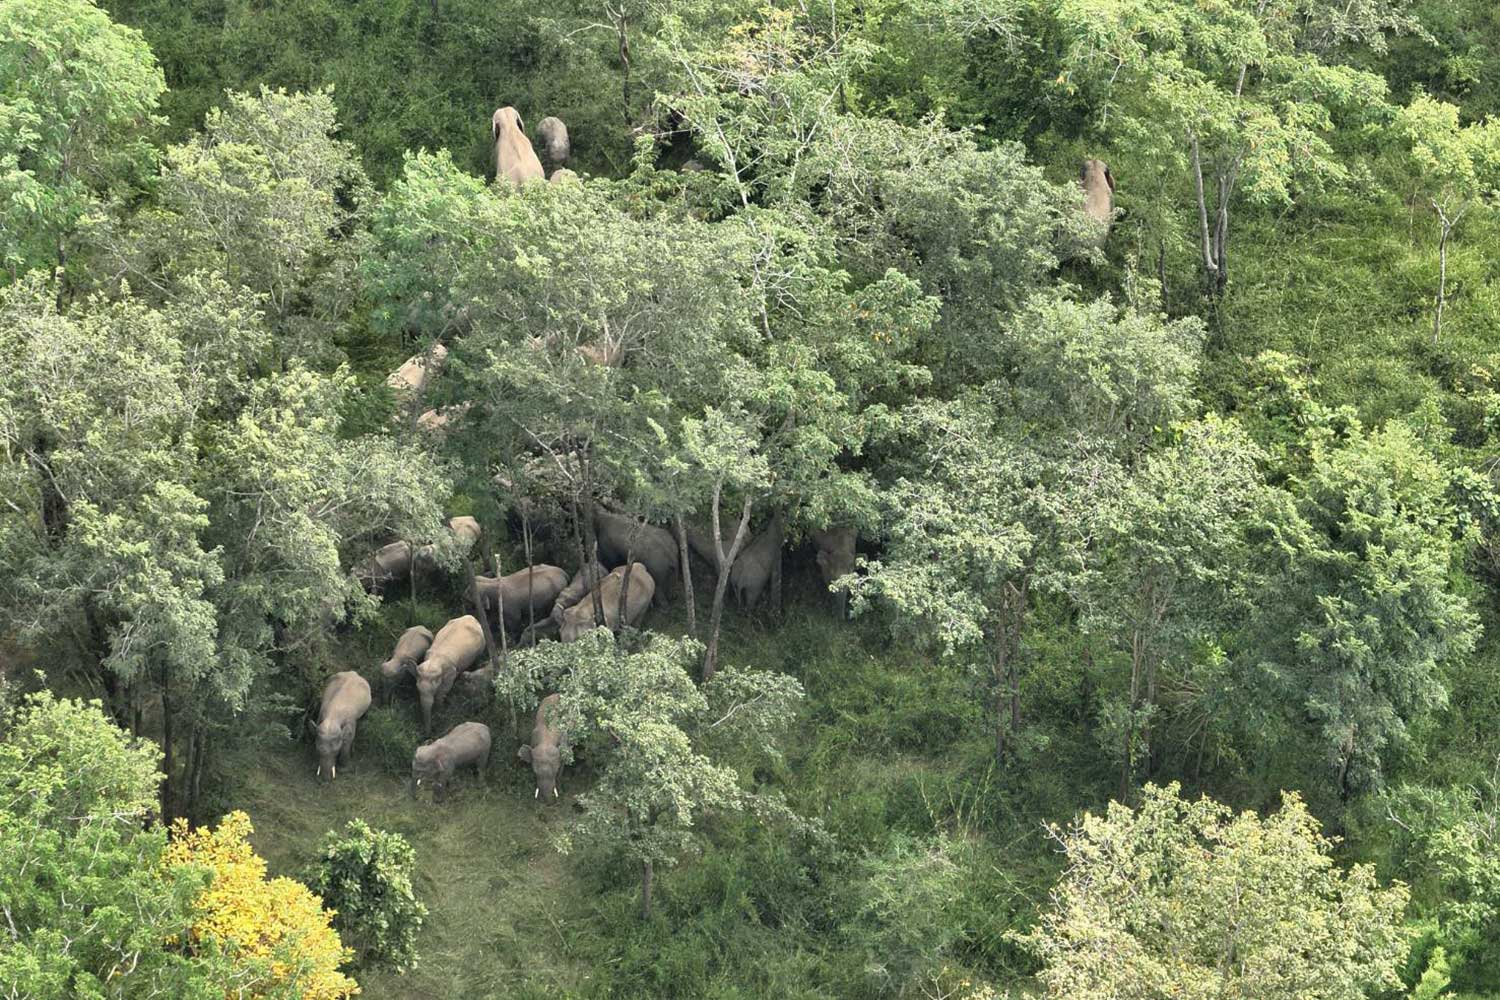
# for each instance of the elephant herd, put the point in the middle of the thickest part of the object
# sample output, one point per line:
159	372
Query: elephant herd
638	565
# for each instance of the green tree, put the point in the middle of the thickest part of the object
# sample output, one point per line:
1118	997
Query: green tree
1236	99
77	100
1367	613
1183	898
1455	166
666	752
1173	566
364	875
89	908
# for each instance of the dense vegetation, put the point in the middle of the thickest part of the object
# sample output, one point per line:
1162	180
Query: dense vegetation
1167	668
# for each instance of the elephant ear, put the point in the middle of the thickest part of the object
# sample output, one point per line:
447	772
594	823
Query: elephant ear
520	123
1109	179
312	725
524	753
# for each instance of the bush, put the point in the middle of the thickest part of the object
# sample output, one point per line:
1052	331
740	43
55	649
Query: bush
365	875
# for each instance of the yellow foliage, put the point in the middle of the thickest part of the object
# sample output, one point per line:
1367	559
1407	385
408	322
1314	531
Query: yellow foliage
275	931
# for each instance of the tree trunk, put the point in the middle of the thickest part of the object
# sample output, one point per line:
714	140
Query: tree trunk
622	28
1135	704
530	577
648	875
54	505
500	615
482	614
776	582
1001	671
687	578
167	767
1442	295
726	561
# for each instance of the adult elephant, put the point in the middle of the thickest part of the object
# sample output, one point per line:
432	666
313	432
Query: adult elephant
555	145
515	160
624	538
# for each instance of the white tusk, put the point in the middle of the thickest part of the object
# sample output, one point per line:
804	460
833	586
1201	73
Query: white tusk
419	782
333	770
556	794
320	770
537	794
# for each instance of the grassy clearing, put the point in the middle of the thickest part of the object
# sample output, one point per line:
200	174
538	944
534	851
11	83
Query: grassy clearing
888	741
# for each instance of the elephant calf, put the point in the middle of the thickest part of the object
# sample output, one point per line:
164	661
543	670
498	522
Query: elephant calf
465	529
580	617
585	580
410	649
545	751
622	538
456	647
515	160
467	743
522	594
346	698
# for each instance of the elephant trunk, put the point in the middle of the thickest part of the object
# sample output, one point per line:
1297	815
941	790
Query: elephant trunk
411	787
426	712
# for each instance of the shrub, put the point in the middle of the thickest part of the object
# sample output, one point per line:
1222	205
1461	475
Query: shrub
365	875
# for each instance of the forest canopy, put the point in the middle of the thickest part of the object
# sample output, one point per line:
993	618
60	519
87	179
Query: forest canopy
943	498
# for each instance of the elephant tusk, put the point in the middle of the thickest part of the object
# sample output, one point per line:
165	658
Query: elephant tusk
556	794
320	770
419	782
333	771
537	794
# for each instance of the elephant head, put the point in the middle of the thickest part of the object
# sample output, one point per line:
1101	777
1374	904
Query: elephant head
429	764
503	118
330	736
433	677
546	763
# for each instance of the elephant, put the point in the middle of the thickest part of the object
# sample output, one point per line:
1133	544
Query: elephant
605	355
540	584
545	751
563	175
579	618
466	529
555	144
410	649
622	537
390	563
436	421
465	744
835	547
346	698
411	378
583	581
1098	194
480	682
515	160
455	649
754	565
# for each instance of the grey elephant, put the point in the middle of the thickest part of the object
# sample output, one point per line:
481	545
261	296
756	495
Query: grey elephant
515	160
455	649
545	751
412	377
523	594
1098	194
389	563
622	537
478	682
466	744
410	649
579	619
555	145
585	580
754	565
466	533
346	698
835	547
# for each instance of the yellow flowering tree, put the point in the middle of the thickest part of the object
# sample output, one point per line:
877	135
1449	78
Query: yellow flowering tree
275	931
